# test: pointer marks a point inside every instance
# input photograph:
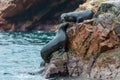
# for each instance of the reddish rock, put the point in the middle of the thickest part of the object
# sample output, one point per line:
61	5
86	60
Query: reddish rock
88	39
37	12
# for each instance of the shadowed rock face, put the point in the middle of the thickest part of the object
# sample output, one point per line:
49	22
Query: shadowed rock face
31	13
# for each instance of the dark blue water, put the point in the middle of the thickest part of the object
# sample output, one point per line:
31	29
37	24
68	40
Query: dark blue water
20	54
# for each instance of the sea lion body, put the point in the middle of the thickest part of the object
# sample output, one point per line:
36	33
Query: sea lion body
77	16
57	43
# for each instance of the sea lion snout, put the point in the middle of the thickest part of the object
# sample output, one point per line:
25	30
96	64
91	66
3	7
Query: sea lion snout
63	26
65	17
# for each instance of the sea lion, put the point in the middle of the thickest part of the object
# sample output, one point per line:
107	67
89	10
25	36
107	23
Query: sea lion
77	16
58	43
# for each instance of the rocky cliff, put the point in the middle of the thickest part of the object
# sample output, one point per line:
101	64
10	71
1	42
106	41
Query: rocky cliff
94	45
28	15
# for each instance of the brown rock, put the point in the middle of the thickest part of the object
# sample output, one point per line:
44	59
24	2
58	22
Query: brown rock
86	39
37	12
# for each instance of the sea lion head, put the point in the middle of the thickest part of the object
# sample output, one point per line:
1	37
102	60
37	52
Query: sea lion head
67	17
63	26
63	16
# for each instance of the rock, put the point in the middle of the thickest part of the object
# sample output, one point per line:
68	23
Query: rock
101	39
106	20
94	46
31	15
90	4
117	29
55	68
108	14
109	6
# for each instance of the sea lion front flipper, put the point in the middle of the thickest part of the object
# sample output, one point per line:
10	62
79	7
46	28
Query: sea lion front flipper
60	52
80	19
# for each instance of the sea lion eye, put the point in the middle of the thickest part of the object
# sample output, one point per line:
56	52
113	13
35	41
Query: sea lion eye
70	18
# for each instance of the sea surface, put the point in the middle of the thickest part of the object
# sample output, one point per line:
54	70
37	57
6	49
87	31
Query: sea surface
20	54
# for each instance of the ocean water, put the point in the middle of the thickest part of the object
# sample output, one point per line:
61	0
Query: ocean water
20	54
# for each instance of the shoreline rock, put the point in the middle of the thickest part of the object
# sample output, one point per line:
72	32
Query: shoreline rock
94	47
